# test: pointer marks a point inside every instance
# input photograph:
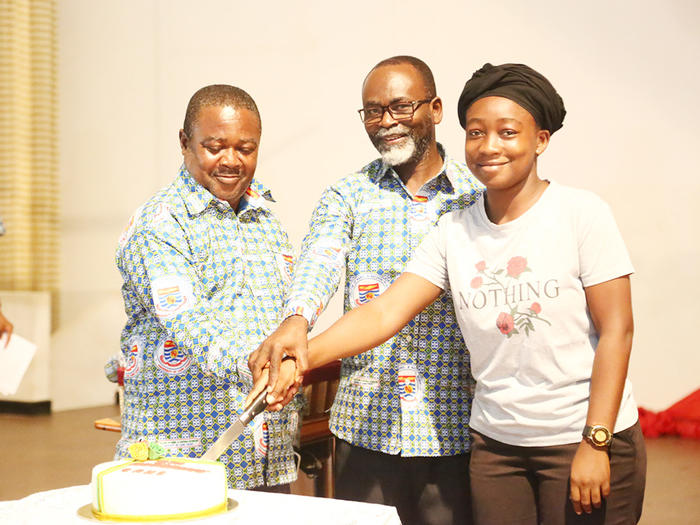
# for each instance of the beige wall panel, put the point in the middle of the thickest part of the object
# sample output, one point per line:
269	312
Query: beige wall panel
627	73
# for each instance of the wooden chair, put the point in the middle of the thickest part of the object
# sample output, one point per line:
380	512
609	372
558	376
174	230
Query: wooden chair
316	443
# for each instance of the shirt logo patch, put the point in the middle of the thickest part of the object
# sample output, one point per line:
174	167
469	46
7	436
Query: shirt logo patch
129	230
170	359
410	387
407	387
286	263
330	253
261	437
366	287
171	296
417	211
367	292
161	213
133	358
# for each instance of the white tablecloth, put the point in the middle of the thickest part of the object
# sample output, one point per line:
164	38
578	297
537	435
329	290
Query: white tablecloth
61	507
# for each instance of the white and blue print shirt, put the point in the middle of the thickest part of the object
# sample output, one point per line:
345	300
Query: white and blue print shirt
203	286
411	395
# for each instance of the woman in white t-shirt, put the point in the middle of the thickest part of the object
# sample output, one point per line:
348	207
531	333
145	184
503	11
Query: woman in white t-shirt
539	276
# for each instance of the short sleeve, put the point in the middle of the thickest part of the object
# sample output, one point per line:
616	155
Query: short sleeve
429	260
602	252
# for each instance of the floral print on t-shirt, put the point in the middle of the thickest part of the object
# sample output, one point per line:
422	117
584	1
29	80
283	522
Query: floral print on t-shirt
518	318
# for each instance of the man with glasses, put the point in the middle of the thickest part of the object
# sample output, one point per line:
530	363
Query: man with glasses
401	413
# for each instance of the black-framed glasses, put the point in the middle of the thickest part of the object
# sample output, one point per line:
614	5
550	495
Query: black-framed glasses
397	110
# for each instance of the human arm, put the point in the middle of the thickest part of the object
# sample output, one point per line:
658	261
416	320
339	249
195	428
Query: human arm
610	306
169	284
316	278
5	329
373	323
367	326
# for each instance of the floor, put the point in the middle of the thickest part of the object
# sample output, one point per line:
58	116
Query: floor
46	452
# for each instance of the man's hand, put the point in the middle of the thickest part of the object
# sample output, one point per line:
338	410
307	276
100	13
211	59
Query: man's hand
5	329
290	339
286	383
590	477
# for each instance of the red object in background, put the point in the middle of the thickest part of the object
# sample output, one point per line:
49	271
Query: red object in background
681	419
120	376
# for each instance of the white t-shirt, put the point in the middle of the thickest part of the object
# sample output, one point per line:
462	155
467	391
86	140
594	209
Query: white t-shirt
518	290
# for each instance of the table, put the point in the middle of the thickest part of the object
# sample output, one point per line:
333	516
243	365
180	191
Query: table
61	506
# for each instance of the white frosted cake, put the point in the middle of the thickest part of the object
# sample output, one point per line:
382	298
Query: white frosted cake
162	489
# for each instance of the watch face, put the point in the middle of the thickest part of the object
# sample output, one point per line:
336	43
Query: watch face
600	436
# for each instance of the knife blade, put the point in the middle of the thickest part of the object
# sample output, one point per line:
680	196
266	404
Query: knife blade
236	429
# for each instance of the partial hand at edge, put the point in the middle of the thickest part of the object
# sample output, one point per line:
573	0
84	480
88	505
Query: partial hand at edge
290	339
590	478
5	329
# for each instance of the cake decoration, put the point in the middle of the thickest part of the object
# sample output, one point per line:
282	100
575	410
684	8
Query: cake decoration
144	451
139	451
155	451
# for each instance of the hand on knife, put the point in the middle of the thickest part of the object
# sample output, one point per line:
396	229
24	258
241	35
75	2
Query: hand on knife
283	391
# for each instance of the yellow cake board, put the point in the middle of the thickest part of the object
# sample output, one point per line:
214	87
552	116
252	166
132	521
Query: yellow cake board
86	513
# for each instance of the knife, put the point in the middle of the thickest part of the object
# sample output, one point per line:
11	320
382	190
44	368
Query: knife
236	429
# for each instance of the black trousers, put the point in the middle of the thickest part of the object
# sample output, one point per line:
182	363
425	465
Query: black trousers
530	485
424	490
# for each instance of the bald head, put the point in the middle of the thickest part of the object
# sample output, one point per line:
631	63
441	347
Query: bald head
218	95
421	67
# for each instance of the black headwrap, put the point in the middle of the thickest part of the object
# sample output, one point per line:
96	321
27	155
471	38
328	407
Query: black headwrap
519	83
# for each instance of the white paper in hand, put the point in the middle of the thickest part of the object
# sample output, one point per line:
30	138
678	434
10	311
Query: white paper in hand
14	361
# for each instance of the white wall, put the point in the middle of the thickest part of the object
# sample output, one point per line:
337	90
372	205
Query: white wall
627	72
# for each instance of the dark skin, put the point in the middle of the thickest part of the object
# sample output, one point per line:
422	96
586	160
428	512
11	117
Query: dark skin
5	329
222	151
401	83
383	86
503	143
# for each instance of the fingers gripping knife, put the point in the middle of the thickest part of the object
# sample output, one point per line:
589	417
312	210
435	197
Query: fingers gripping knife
236	429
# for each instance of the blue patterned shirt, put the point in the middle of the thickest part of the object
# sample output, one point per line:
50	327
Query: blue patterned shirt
411	395
203	286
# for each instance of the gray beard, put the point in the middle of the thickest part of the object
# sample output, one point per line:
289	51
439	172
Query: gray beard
411	150
399	154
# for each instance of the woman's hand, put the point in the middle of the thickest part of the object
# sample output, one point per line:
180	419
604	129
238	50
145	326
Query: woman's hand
590	477
286	384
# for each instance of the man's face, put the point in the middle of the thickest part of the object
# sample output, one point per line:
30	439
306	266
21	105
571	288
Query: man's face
222	152
400	141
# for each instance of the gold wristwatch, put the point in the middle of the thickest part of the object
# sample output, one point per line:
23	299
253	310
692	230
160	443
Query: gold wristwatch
597	435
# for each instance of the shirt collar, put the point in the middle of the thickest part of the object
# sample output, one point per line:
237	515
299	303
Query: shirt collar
379	169
197	198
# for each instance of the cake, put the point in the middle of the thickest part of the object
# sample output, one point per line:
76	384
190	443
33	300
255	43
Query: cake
159	489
